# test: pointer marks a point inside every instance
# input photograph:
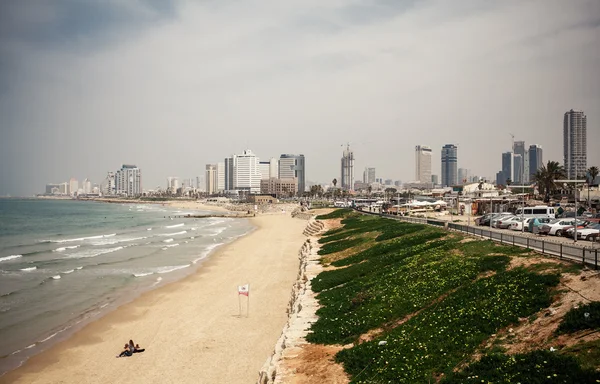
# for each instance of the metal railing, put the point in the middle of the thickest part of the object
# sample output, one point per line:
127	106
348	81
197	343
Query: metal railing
584	255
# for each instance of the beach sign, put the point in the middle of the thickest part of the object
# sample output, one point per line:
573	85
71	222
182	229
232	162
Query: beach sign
244	290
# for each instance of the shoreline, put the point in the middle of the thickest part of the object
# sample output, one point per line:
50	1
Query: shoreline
189	320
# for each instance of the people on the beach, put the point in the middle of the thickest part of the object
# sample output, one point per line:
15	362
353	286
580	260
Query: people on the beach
130	348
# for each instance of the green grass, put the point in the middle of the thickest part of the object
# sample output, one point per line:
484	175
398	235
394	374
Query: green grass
458	294
337	214
531	368
577	319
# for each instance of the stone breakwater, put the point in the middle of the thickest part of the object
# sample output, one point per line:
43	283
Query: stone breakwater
301	310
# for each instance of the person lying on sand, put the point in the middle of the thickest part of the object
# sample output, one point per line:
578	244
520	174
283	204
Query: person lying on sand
126	351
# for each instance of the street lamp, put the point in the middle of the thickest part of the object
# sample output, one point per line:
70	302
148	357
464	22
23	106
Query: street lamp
574	182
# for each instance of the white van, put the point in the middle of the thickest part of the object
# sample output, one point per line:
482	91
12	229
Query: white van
537	211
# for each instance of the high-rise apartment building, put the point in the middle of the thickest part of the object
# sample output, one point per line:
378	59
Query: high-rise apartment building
107	187
536	159
229	174
507	168
74	186
87	186
423	164
246	175
220	177
128	180
347	181
292	166
464	176
211	178
449	165
575	143
369	175
435	180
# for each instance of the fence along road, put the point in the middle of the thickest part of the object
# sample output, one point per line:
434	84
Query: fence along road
580	254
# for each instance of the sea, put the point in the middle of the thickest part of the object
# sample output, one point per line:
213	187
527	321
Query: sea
65	263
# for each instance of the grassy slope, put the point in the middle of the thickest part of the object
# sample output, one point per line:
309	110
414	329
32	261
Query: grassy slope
433	300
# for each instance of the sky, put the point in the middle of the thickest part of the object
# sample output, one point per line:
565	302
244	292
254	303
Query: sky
170	86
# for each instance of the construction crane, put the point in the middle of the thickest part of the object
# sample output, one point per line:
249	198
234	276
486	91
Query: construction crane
512	148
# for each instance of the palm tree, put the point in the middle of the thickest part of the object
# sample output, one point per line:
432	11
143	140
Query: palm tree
545	178
334	181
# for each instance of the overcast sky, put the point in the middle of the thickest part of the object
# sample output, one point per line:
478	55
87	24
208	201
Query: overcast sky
170	86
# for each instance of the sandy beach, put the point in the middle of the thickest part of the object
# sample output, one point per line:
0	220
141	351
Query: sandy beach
190	329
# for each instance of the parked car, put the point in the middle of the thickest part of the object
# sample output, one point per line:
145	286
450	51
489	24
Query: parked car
558	226
540	221
518	225
591	232
506	222
500	217
485	219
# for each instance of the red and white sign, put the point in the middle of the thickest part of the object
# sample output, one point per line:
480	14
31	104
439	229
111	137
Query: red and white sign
244	290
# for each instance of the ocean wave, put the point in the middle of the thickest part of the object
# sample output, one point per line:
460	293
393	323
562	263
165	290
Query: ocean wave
28	269
218	231
167	240
79	239
65	248
168	269
169	246
116	241
143	274
158	280
55	277
149	229
173	234
92	253
11	257
175	225
69	271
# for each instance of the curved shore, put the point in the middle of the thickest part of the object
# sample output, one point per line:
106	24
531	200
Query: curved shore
190	329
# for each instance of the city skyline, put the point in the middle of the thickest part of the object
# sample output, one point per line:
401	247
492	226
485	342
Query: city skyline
242	79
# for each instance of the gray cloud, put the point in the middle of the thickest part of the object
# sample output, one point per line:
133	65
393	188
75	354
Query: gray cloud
170	88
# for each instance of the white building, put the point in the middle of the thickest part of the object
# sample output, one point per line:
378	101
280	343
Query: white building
73	186
87	186
211	178
423	164
221	177
128	180
575	143
347	181
246	175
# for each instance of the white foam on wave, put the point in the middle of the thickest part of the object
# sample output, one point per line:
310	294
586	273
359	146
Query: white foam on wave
206	252
79	268
218	231
56	277
175	225
142	274
93	253
158	280
174	234
65	248
69	271
168	240
79	238
116	241
171	245
28	269
171	268
11	257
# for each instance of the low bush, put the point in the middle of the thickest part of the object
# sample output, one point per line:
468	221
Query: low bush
447	333
532	368
341	245
577	319
336	214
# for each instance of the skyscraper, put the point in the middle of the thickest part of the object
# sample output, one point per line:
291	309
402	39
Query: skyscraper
507	167
128	180
229	174
211	178
423	164
517	177
575	143
449	165
347	181
536	159
292	166
246	175
220	177
369	175
519	171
